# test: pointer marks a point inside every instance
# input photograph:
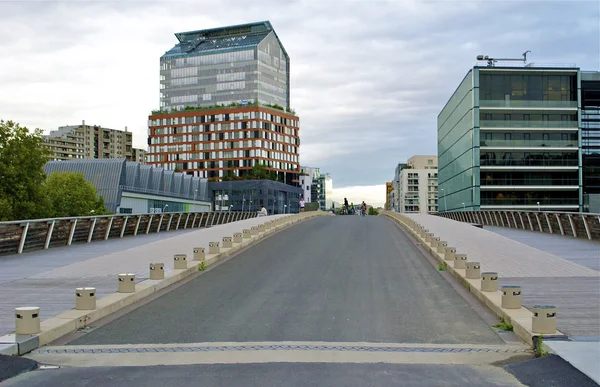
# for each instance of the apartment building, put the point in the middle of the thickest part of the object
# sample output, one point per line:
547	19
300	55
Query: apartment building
92	142
508	138
417	185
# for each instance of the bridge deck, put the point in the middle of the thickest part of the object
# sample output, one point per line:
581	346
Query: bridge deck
545	278
48	278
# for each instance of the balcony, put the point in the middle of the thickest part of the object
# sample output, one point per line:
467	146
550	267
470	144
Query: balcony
491	103
530	143
527	124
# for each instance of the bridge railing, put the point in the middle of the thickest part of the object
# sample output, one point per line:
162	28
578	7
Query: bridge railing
29	235
578	225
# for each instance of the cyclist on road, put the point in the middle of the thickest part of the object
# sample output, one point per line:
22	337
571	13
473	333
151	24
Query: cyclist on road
363	209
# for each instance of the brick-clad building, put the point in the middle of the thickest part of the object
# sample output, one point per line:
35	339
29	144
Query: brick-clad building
211	142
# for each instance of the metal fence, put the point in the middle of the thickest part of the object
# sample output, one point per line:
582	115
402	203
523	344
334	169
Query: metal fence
578	225
28	235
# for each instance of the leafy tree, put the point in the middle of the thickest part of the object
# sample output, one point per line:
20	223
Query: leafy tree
373	211
22	158
229	176
70	194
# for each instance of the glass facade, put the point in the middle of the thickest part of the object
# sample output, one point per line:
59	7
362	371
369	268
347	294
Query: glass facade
590	138
223	66
508	138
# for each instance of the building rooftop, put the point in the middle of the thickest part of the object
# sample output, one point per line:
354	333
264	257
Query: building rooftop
222	38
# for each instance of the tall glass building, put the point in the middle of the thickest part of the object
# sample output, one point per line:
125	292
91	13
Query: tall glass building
510	138
590	139
225	65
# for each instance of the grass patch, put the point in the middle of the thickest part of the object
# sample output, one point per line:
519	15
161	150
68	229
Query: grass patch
442	267
504	325
538	348
201	266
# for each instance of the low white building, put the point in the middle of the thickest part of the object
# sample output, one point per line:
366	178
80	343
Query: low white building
417	185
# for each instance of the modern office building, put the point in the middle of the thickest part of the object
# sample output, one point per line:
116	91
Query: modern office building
215	143
310	186
131	188
224	105
417	185
91	142
590	140
220	66
508	138
250	195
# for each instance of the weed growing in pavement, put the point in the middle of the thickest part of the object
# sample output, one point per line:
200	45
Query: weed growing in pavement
504	325
538	349
442	267
201	266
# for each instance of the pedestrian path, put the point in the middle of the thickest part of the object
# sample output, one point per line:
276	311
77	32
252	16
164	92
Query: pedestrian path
48	279
545	278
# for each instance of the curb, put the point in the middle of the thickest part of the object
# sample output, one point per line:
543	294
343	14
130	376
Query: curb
520	319
73	319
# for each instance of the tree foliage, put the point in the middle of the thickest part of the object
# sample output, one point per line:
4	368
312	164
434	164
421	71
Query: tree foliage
260	172
22	158
71	195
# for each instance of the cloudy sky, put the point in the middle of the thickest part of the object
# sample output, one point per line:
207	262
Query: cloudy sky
368	77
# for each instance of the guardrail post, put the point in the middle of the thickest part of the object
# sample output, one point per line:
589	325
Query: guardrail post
498	223
160	223
149	224
91	230
562	231
515	219
23	237
170	220
187	218
137	224
529	219
108	228
548	223
124	226
178	221
572	225
537	217
49	234
194	220
72	231
587	228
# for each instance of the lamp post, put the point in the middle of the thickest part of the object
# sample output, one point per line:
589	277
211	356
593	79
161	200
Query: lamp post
464	206
230	207
273	207
284	208
538	204
165	207
243	202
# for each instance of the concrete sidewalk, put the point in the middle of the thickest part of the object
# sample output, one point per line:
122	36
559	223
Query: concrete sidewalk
53	286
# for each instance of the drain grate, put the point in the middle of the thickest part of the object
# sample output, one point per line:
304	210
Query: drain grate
206	348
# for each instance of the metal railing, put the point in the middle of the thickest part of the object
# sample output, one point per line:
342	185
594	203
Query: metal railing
578	225
28	235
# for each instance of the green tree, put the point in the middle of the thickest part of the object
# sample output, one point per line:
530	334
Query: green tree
373	211
22	158
229	176
70	194
258	172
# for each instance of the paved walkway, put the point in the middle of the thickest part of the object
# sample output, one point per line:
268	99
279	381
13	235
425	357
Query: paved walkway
545	278
48	278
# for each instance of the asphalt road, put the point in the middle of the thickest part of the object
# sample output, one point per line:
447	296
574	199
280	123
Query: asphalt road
336	279
271	374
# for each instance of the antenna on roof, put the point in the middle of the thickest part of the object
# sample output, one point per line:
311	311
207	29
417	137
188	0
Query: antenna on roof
492	61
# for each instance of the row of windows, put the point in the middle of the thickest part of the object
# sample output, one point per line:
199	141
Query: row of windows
226	155
224	145
224	137
528	87
224	117
195	165
202	60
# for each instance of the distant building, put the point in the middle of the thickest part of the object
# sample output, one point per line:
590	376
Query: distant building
308	182
520	138
139	155
131	188
388	195
77	142
417	185
250	195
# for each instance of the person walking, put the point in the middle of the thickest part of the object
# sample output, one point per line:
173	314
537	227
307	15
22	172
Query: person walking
301	204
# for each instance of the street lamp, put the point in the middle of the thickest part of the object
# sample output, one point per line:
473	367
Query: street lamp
230	207
464	206
195	192
284	208
538	203
243	202
166	205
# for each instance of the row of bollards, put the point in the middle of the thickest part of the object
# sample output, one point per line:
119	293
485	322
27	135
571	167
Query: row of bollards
27	319
544	316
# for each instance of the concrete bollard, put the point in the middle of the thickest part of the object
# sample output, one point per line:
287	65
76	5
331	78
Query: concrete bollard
544	319
126	283
85	298
473	270
253	230
429	237
213	248
157	271
434	242
180	261
237	237
268	225
441	247
199	254
489	281
511	297
460	261
27	320
423	233
246	233
262	228
227	242
449	253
